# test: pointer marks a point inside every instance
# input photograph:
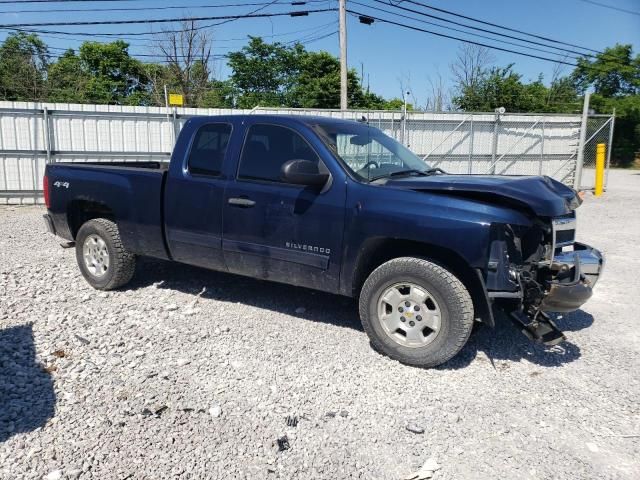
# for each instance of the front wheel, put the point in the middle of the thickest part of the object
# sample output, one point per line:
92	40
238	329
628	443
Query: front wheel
103	260
416	312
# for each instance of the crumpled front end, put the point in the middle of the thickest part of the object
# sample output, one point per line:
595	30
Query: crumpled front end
542	269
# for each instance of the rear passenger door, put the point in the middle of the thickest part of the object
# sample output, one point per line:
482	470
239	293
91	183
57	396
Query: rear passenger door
276	230
194	196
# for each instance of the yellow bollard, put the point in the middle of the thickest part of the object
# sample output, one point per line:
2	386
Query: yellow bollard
600	154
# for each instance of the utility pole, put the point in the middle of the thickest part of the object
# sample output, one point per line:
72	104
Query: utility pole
343	54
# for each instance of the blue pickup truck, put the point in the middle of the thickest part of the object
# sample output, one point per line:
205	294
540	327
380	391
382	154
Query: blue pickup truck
337	206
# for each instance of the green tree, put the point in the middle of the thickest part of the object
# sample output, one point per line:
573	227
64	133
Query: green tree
115	76
318	81
562	96
23	67
614	76
317	84
264	73
612	73
395	104
503	87
218	94
276	75
626	134
102	73
67	80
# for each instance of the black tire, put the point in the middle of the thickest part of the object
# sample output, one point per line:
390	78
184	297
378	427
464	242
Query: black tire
122	263
453	299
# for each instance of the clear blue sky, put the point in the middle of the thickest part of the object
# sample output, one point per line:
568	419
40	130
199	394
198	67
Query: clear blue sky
388	53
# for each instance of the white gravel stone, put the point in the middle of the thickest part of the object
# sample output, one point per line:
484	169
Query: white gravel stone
54	475
215	411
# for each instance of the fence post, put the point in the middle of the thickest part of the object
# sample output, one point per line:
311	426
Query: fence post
609	147
470	167
577	181
404	125
494	146
544	124
393	124
175	126
47	136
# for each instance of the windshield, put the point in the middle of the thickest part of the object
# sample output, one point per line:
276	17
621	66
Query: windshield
367	152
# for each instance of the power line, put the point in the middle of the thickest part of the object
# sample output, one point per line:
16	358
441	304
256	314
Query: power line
603	5
507	42
138	42
493	47
449	12
122	35
573	55
62	1
253	13
167	20
315	35
478	28
135	9
418	29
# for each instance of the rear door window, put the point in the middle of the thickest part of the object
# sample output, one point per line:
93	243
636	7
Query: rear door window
208	149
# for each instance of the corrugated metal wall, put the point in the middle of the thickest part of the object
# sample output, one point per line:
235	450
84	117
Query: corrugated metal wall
33	134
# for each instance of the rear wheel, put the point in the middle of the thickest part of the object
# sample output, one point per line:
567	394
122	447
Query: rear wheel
416	312
103	260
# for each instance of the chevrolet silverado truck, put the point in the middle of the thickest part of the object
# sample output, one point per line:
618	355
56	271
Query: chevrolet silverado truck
336	206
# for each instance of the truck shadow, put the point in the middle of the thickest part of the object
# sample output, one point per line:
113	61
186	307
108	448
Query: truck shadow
504	343
27	397
226	287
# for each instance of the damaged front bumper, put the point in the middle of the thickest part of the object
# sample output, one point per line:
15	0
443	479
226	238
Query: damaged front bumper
577	270
567	285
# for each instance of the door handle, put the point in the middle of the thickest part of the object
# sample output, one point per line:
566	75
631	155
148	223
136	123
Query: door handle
241	202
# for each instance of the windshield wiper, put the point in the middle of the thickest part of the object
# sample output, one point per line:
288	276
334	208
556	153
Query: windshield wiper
433	171
397	174
423	173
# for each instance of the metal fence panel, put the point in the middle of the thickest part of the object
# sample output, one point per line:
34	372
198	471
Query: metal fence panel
32	134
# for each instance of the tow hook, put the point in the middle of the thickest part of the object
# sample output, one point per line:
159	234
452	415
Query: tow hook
539	328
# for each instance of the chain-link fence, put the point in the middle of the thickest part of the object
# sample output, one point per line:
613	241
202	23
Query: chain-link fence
599	131
32	135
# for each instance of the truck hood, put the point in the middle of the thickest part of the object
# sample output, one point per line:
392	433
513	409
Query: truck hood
542	195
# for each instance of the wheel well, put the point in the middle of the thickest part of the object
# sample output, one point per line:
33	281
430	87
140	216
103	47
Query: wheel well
81	211
378	251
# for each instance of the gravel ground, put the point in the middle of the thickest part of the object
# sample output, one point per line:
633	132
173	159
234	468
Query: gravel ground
198	374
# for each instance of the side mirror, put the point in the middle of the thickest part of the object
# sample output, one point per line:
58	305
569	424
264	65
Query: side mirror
303	172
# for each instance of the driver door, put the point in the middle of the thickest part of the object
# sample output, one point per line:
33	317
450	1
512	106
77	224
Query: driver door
276	230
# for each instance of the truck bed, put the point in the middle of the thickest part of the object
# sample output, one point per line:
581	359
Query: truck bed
131	193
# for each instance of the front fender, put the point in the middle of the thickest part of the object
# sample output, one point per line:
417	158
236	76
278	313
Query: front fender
460	226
